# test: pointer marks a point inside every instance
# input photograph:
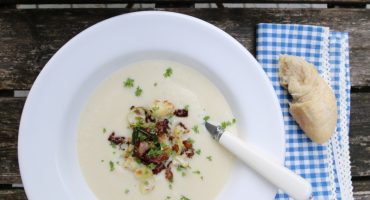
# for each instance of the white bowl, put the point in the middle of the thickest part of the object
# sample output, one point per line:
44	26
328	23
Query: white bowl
47	136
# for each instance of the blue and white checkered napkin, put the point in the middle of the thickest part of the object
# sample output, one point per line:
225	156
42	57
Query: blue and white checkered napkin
326	166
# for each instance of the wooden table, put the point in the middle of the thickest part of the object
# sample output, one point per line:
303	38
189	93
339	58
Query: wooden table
28	38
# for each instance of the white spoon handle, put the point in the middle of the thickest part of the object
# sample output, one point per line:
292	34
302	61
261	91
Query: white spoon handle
294	185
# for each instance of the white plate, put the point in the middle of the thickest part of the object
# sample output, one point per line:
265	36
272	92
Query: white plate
47	141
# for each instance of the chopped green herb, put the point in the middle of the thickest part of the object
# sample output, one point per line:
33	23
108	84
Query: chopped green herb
114	152
226	124
111	166
201	177
180	168
196	172
186	107
151	166
138	91
209	158
191	140
168	72
129	83
167	198
184	198
195	129
102	161
183	174
206	118
154	152
104	130
137	160
146	183
141	137
117	163
113	145
170	186
198	151
127	191
155	84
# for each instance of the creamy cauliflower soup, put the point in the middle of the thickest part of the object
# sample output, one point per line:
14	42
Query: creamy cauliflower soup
141	135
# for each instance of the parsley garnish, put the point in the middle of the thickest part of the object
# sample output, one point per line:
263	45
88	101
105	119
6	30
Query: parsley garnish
198	151
180	168
191	140
113	145
206	118
146	183
183	174
151	166
154	152
127	191
196	172
104	130
111	166
155	84
138	91
170	186
209	158
137	160
129	83
186	107
102	161
168	72
168	198
195	129
184	198
226	124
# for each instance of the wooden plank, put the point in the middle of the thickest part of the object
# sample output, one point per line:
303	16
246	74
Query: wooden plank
361	189
18	194
30	37
181	1
11	110
359	134
10	113
12	194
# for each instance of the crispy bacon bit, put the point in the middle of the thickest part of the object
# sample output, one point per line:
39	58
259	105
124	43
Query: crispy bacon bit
116	139
175	148
154	159
158	168
169	174
187	144
181	113
162	127
189	153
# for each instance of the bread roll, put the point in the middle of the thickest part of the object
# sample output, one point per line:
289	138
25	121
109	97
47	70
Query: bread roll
314	105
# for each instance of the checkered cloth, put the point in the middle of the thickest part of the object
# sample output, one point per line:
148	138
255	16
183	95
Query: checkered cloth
326	166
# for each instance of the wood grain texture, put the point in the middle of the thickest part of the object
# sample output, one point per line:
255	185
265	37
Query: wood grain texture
10	113
13	194
18	194
181	1
30	37
360	134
